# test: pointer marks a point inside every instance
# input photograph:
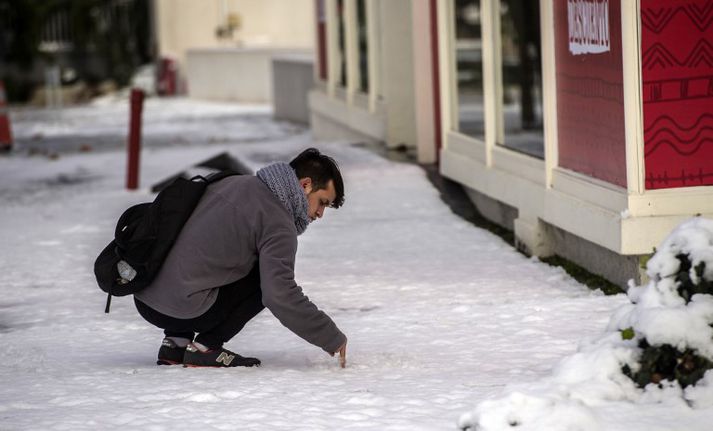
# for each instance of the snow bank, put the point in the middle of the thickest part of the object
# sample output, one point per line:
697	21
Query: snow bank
661	313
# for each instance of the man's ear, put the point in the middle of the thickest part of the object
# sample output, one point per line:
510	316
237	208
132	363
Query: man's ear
306	184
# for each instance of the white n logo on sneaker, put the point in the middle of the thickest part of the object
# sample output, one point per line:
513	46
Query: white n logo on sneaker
225	358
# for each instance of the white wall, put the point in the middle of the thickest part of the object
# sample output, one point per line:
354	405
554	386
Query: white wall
187	24
423	82
398	72
233	74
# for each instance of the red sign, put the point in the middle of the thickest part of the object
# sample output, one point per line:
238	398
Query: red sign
590	93
677	70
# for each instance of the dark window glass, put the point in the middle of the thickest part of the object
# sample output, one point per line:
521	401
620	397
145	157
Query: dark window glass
469	68
522	77
363	47
321	39
341	44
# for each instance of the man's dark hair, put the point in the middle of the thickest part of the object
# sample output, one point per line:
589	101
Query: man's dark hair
320	168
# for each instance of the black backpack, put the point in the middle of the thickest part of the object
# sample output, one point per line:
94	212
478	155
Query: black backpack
145	234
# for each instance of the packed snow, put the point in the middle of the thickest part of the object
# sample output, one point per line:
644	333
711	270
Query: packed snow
441	316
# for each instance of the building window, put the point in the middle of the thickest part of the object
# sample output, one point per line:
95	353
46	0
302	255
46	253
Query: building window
469	68
521	77
342	44
363	46
322	39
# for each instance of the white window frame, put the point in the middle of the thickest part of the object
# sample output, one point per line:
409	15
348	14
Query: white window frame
351	93
486	154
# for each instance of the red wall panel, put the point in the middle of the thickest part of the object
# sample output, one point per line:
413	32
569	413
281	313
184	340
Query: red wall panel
590	93
677	70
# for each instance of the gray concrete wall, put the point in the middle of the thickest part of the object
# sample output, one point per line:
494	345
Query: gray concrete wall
596	259
497	212
292	80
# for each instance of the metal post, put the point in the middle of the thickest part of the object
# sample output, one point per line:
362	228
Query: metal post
134	147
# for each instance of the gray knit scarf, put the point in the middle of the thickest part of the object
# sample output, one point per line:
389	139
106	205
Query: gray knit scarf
281	179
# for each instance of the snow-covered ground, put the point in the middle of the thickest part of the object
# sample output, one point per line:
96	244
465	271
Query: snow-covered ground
664	338
440	315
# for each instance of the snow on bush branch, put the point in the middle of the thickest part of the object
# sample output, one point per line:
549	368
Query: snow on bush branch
657	349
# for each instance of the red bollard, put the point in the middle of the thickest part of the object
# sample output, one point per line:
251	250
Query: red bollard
134	147
5	132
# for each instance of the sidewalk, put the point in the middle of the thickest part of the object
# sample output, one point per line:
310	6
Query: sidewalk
440	315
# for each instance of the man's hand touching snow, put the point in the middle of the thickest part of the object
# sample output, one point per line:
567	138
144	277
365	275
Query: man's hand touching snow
342	355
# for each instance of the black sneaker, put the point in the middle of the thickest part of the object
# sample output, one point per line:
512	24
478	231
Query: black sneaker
170	353
216	358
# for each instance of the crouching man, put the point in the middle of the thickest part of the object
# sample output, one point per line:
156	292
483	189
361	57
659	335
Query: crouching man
236	256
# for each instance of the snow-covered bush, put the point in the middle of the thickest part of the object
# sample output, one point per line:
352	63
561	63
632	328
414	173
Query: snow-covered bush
658	348
672	317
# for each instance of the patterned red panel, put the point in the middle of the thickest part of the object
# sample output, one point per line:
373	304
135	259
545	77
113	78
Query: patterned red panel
590	93
677	70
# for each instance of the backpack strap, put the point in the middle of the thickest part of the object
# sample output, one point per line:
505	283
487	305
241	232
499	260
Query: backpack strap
213	178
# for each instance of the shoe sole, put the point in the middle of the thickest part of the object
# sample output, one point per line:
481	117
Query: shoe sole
218	366
167	362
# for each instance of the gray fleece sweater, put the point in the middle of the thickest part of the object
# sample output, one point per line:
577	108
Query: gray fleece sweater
237	223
